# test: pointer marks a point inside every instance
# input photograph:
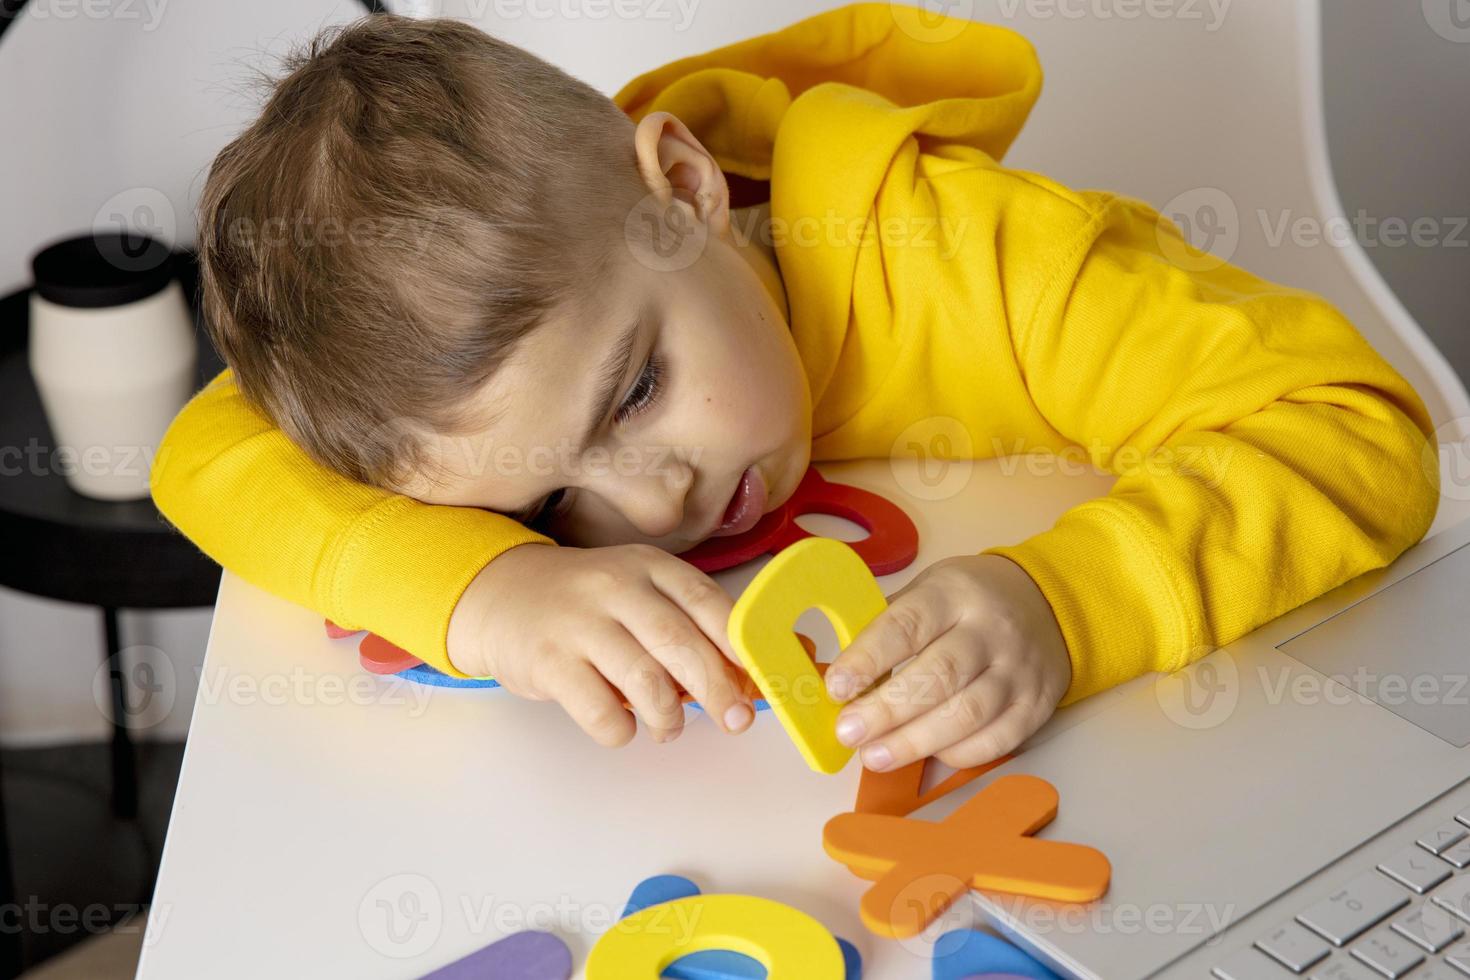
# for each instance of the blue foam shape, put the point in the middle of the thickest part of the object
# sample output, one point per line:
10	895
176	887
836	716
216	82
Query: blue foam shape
962	953
714	964
656	891
424	674
724	964
760	704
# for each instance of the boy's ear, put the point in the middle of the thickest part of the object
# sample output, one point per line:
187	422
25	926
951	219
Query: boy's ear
675	165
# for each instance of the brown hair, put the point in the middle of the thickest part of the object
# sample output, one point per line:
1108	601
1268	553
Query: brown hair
414	198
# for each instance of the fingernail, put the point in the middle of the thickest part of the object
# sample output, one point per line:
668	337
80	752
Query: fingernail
850	729
737	716
877	757
839	683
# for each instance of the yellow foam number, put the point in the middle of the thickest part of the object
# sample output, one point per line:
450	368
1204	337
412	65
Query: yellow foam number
790	944
820	572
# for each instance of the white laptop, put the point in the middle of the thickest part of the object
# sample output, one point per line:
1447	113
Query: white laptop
1296	804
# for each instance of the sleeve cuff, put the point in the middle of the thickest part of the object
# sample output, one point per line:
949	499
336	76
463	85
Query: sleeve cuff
408	591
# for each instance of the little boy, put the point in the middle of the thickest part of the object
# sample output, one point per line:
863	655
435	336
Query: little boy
500	348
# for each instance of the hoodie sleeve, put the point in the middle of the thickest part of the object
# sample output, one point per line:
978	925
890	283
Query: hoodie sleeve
365	558
1265	453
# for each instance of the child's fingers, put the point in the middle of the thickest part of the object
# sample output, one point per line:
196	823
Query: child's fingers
706	675
1010	728
965	713
702	599
586	696
943	669
910	623
642	679
676	641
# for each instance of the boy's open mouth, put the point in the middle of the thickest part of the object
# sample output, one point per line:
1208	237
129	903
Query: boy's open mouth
746	506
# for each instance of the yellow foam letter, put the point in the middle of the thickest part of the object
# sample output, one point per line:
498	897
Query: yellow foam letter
790	944
820	572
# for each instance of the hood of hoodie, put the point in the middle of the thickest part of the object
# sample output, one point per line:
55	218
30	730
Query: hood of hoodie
828	110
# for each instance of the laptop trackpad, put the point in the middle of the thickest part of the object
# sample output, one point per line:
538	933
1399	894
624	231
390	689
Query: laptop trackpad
1403	647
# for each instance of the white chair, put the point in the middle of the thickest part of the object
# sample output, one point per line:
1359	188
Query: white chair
1186	111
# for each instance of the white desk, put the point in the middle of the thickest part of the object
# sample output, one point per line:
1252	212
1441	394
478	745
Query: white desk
314	797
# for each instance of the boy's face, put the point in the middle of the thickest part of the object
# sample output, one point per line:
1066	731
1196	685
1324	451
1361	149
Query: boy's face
710	385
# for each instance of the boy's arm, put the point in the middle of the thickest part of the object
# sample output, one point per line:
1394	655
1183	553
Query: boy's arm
364	557
1265	452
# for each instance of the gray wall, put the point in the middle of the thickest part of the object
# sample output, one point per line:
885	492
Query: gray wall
1396	74
117	109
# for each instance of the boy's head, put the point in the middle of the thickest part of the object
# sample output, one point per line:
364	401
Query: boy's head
422	258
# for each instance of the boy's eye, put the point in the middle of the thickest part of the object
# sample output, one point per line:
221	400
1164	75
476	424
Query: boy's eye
645	390
641	397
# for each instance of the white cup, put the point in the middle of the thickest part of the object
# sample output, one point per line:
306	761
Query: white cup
113	353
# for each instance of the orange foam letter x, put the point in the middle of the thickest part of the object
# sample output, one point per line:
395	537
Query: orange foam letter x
921	867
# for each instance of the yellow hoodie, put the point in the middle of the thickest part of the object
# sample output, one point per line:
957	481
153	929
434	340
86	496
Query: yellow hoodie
1264	451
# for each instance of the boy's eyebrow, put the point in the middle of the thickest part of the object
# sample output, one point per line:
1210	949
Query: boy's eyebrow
609	379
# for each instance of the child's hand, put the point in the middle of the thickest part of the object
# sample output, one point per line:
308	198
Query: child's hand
578	625
991	667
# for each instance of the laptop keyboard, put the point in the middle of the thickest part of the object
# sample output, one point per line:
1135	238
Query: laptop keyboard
1407	917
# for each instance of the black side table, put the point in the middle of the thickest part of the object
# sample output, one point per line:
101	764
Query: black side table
59	544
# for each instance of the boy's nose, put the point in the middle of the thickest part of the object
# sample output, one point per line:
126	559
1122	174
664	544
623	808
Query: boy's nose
654	503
